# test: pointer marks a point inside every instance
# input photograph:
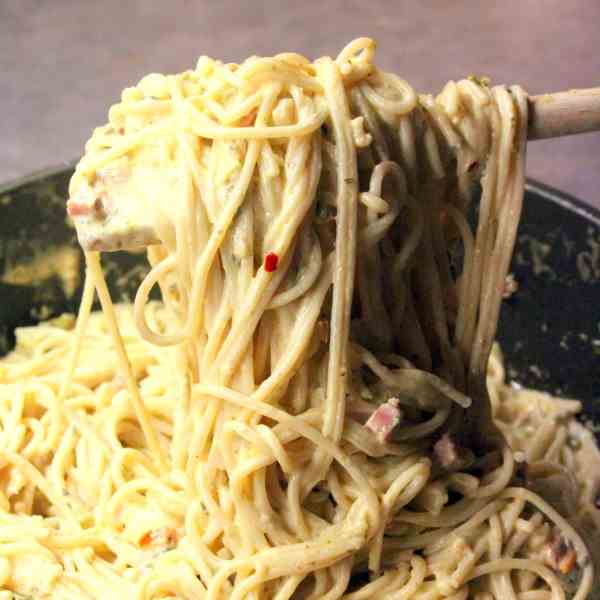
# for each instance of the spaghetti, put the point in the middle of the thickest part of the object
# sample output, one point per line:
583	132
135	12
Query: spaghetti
318	277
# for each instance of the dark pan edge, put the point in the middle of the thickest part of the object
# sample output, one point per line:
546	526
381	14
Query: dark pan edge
564	200
36	176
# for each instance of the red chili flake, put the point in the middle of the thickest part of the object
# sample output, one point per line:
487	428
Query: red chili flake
165	536
145	539
249	119
271	261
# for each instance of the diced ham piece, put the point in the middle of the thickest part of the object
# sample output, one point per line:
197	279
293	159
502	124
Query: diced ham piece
77	209
560	555
450	455
384	419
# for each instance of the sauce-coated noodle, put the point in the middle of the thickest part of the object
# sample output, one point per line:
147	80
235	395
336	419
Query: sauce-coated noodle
316	266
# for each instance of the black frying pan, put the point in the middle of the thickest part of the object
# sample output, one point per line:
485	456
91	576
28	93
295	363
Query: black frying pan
549	329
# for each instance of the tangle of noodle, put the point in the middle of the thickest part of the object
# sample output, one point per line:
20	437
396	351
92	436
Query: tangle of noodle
212	446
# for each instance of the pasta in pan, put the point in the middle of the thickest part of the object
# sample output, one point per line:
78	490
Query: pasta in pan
305	414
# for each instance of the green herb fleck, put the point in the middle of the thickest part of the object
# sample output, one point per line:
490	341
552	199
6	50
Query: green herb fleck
480	80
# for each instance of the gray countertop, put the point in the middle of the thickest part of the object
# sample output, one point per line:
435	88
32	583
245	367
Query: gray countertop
63	62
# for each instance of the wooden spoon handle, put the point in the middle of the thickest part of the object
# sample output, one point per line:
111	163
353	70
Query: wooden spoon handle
564	113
